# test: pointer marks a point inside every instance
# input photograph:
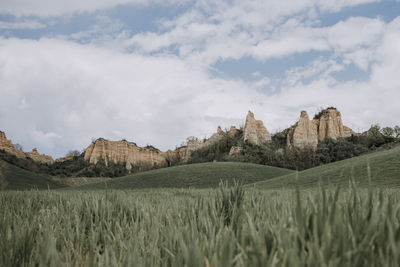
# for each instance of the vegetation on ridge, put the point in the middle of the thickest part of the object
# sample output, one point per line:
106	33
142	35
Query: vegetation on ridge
203	175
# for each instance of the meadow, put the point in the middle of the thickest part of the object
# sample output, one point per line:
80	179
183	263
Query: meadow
225	226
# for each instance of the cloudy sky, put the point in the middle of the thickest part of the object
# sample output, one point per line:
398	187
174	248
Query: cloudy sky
158	71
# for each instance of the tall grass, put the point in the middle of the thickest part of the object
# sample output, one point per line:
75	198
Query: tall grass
213	227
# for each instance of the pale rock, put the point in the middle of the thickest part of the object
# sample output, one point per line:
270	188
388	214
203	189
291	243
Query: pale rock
8	146
232	131
330	125
66	158
124	152
304	133
255	131
36	156
307	133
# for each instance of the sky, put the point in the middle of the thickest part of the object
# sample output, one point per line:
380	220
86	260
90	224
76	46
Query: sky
155	72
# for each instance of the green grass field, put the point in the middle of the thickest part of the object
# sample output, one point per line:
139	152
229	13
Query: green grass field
380	169
19	179
200	227
149	224
203	175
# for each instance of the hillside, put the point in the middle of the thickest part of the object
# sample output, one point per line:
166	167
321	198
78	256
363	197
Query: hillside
202	175
14	178
382	167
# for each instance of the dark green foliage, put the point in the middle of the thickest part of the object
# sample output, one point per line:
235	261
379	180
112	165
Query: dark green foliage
321	112
77	167
331	150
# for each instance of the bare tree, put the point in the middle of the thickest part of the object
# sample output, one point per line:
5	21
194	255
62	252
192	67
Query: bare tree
73	153
397	131
18	147
388	132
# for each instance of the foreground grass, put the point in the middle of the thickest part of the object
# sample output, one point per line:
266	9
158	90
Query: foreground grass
213	227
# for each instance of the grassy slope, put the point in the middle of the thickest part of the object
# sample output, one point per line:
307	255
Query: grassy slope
384	172
20	179
201	175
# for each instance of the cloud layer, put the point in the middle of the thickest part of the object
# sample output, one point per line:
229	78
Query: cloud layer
157	88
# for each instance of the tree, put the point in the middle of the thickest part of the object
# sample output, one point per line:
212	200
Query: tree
397	131
375	137
388	132
73	153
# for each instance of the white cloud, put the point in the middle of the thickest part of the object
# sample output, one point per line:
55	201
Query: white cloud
78	92
64	93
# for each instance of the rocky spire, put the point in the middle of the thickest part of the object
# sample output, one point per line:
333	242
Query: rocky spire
255	131
327	124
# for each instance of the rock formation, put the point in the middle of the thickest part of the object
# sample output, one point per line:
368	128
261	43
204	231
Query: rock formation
327	124
304	133
232	131
330	125
8	146
66	158
40	157
124	152
255	131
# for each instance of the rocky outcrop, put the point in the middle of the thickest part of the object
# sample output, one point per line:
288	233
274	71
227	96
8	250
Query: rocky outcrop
304	133
35	156
330	125
125	152
215	137
326	124
8	146
255	131
232	131
66	158
183	154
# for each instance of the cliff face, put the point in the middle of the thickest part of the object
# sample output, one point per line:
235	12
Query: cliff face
8	146
124	152
255	131
307	133
40	157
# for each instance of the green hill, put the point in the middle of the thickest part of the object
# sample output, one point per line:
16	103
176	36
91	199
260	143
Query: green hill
15	178
202	175
381	168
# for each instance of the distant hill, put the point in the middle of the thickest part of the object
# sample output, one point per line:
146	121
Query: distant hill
382	167
14	178
202	175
